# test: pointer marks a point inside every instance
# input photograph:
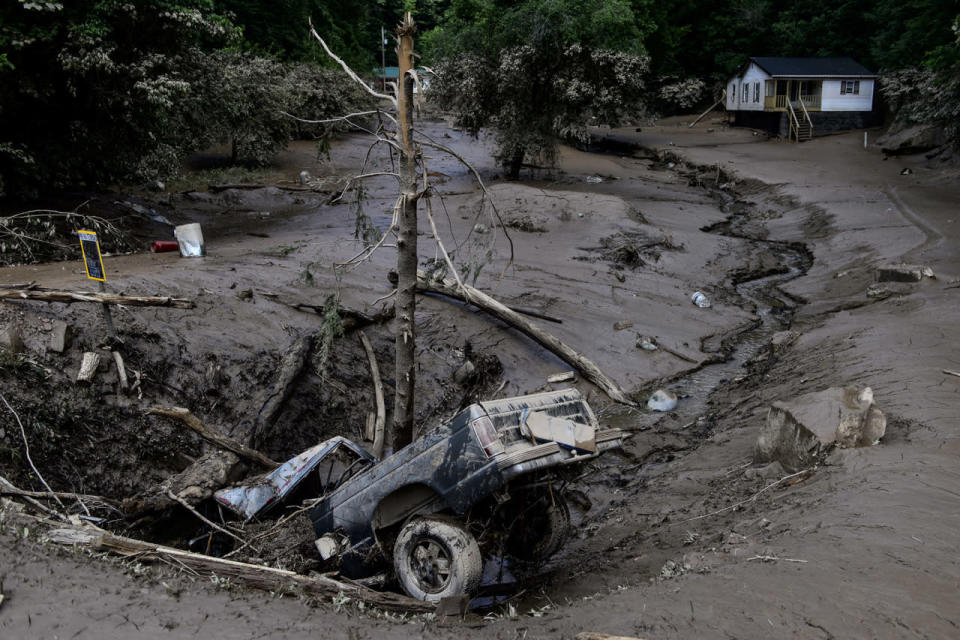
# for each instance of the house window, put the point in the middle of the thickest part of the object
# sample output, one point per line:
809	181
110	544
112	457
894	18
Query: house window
746	92
769	91
850	86
756	92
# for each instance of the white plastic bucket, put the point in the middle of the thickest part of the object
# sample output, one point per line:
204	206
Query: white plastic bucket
190	239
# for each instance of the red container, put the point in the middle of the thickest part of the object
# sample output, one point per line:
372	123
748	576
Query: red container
161	246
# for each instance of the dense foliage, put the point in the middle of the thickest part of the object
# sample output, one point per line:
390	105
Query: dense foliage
94	91
538	71
929	94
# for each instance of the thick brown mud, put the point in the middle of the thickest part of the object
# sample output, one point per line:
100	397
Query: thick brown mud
677	537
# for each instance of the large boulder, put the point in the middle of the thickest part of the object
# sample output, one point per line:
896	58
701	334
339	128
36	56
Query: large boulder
797	431
916	139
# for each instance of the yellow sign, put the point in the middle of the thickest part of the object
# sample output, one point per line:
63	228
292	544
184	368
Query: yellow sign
92	260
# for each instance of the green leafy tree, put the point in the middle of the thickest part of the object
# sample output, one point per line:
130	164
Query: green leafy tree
105	91
93	85
929	94
537	72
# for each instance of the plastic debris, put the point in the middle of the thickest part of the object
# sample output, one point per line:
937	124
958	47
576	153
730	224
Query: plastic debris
647	344
662	400
700	299
190	239
161	246
594	179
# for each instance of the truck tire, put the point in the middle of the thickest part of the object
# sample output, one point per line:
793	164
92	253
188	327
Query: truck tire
435	558
543	530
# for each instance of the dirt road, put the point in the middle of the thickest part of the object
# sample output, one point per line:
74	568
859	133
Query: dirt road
684	539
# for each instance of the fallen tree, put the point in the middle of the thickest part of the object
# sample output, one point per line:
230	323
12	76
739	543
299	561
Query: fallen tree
52	295
477	298
261	577
291	366
380	421
186	417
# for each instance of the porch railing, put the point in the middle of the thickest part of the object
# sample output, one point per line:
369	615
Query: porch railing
812	101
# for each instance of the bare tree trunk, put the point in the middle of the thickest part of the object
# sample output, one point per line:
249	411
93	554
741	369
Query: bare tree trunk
402	432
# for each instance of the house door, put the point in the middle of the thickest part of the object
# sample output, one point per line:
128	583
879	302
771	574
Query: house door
794	86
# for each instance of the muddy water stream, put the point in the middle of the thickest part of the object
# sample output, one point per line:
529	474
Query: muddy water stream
773	311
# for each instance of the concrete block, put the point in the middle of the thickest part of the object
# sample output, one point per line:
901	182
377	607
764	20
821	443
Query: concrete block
903	273
797	431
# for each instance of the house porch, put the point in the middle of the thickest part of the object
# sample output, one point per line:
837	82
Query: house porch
779	93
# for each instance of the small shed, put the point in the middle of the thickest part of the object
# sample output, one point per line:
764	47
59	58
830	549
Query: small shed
795	97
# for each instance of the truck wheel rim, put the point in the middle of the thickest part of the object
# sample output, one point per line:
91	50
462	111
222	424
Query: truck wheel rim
430	562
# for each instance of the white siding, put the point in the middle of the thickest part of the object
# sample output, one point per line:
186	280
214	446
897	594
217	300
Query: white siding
753	101
833	100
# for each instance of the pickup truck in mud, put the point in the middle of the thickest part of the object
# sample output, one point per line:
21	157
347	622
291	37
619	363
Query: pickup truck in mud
486	483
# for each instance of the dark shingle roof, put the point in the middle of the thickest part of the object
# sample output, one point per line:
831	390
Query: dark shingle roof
843	67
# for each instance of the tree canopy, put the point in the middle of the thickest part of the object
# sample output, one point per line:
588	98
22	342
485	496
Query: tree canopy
537	71
95	91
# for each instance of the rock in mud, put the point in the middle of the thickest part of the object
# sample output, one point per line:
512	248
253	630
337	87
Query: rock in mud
884	291
11	340
465	374
903	273
915	139
662	400
771	471
796	431
782	340
61	336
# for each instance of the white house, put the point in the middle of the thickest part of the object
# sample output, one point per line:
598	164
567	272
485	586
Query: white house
794	96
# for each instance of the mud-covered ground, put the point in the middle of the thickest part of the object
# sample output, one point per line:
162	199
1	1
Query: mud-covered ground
683	537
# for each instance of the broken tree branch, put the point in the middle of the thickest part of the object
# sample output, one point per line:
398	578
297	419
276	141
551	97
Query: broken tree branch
186	505
348	70
433	226
51	295
586	367
208	434
9	486
291	365
483	187
121	370
7	489
805	473
26	449
378	391
723	97
458	295
252	575
350	319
